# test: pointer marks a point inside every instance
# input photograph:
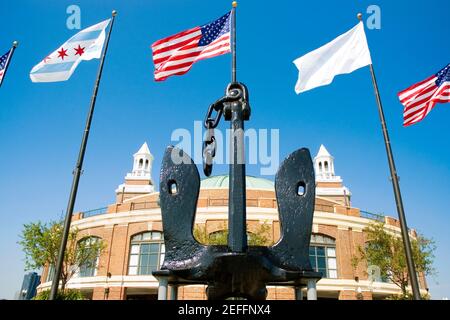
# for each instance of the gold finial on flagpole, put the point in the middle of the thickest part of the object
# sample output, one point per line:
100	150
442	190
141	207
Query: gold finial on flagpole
15	44
234	4
114	13
359	16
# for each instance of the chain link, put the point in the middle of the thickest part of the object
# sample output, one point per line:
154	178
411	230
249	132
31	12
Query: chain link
210	123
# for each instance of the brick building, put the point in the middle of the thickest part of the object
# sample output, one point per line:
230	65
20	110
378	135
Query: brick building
131	228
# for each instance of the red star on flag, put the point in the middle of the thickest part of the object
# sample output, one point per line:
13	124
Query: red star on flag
62	53
79	50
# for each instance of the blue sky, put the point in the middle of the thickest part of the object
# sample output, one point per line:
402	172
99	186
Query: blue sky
41	124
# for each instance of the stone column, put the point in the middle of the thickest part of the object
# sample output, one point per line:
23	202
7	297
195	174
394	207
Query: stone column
173	295
312	291
298	293
162	289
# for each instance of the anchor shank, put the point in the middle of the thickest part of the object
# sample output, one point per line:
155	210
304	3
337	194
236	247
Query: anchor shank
237	231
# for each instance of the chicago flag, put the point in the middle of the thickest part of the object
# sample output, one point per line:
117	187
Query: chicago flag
60	64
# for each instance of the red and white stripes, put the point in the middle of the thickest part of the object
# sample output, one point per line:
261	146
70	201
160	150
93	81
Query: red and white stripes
176	54
420	99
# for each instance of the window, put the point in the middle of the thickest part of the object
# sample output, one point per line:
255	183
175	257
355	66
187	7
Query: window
322	254
326	166
373	270
320	166
146	164
89	268
51	273
385	278
146	253
141	162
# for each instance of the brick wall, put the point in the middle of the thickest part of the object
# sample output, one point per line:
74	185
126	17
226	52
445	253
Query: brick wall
114	259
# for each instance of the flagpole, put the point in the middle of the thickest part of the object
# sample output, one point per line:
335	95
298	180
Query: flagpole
233	42
11	52
77	172
398	196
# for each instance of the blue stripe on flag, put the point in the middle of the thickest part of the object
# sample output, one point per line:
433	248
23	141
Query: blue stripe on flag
83	36
56	67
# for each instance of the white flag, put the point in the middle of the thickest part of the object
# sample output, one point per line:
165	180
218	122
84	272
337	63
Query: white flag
59	65
344	54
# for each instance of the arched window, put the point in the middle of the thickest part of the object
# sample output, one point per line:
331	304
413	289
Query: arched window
320	166
89	268
141	163
326	166
146	253
322	254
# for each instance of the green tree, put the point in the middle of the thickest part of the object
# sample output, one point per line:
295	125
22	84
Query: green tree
261	236
68	294
385	250
40	243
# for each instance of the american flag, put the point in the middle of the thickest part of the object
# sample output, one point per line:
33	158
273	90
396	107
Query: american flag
420	98
176	54
3	65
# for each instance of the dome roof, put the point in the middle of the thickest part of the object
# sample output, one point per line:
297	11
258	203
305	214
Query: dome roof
222	181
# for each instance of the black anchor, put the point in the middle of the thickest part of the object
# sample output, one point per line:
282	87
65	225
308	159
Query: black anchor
237	270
